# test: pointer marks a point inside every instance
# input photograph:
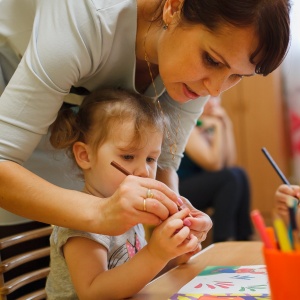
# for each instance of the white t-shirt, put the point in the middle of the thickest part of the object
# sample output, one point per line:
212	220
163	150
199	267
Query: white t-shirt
87	43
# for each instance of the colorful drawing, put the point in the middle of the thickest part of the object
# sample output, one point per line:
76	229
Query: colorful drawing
227	282
204	297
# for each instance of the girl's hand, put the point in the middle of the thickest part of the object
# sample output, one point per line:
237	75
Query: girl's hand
129	205
282	194
172	239
199	224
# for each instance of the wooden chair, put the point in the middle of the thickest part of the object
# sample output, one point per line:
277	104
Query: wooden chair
16	262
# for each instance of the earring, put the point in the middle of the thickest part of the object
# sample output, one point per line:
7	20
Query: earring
165	26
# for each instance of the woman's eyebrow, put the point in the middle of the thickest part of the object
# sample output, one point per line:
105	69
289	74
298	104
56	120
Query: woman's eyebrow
227	64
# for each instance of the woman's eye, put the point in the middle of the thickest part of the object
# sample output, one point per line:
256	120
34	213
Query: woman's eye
237	77
211	61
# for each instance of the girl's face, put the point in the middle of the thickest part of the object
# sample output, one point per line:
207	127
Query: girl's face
102	179
196	62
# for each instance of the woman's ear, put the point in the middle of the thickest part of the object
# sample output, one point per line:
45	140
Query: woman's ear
82	155
172	8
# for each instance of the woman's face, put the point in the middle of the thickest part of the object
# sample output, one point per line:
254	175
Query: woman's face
194	61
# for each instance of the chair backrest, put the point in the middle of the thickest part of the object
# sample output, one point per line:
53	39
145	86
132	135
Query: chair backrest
14	264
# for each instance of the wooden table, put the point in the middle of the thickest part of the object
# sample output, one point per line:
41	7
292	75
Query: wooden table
219	254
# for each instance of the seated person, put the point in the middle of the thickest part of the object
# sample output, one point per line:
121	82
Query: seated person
209	179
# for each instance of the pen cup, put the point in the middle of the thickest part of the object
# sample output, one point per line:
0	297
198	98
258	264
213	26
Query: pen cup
283	273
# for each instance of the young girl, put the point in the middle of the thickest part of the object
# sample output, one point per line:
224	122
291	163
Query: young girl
88	265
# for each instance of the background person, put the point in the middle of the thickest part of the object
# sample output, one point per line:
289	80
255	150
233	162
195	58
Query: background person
209	178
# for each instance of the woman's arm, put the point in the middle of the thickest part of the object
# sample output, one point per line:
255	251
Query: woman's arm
26	194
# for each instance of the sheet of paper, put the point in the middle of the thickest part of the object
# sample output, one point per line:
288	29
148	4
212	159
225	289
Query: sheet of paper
229	282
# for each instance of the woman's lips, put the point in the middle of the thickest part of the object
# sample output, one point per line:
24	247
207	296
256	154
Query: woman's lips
189	93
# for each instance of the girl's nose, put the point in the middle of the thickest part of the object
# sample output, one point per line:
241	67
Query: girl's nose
141	171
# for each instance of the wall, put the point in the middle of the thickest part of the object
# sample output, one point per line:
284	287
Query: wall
257	110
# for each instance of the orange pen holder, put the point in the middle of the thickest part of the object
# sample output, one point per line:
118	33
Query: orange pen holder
283	273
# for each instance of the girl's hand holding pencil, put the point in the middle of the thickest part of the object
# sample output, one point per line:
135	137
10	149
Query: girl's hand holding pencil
286	205
282	196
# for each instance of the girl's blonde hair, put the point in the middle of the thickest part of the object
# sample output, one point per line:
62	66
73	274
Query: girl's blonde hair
100	112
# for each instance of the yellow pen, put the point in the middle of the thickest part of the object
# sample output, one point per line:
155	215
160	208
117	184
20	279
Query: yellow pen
282	235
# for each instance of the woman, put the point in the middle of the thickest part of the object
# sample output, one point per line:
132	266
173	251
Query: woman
209	177
175	50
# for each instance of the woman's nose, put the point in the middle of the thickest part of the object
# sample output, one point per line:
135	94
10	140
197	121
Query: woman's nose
214	85
218	83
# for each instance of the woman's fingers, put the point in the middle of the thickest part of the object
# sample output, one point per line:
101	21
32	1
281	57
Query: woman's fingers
144	200
156	193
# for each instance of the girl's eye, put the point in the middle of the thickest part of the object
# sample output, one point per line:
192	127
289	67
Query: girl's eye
150	159
128	157
210	61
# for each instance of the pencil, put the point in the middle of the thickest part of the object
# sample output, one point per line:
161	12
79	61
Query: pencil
259	225
293	223
120	168
124	171
271	234
274	165
282	235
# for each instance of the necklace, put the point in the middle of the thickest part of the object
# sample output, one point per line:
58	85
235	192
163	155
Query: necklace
173	143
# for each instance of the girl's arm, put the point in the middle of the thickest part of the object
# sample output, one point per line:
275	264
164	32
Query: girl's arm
228	145
87	261
207	153
229	139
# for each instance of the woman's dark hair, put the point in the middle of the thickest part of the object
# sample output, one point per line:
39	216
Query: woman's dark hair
270	19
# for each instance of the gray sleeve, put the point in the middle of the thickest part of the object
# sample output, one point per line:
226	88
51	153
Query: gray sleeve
182	120
61	235
64	47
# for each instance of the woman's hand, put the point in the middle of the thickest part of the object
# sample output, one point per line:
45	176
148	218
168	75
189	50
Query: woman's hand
137	200
200	223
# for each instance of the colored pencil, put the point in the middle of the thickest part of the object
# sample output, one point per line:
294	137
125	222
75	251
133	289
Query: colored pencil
275	166
282	235
260	227
293	223
120	168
